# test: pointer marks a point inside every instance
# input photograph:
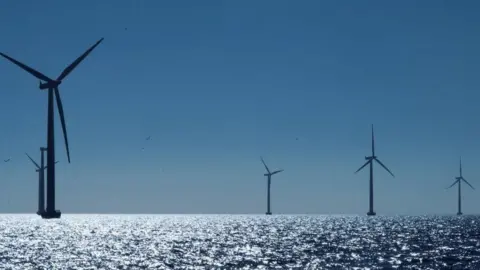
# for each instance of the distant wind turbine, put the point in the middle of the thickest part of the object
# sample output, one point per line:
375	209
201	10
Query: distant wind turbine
269	179
41	183
370	160
52	86
459	182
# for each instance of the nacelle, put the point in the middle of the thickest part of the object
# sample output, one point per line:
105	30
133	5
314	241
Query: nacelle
48	85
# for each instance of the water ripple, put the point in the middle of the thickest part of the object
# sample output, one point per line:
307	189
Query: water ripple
239	242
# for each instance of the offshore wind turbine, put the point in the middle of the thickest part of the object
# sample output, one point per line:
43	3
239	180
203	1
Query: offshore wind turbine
370	160
459	182
41	183
269	181
52	86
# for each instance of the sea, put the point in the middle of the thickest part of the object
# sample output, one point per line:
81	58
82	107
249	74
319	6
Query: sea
239	242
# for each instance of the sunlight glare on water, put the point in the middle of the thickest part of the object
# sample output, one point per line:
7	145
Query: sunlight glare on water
239	242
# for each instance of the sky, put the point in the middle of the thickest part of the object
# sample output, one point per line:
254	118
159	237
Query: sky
217	84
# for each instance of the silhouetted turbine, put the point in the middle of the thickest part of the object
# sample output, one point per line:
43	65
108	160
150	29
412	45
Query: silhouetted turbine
370	160
52	86
459	182
41	183
269	180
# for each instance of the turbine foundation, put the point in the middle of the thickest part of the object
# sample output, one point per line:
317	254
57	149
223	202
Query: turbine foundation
47	215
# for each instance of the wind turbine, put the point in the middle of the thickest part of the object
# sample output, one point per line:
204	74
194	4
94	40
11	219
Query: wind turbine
269	179
41	183
459	182
370	160
52	86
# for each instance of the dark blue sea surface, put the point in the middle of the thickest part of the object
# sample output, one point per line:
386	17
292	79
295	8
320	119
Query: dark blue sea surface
239	242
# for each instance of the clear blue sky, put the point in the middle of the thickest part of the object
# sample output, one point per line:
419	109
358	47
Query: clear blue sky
219	83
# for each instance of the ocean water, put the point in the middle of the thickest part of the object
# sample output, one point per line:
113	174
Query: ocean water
239	242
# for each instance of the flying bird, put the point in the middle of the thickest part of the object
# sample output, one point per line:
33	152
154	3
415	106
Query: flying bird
148	138
6	160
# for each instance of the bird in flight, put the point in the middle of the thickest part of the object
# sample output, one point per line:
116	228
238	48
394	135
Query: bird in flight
6	160
148	138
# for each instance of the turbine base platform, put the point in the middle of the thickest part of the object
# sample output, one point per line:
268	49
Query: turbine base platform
40	212
268	213
47	215
459	213
371	214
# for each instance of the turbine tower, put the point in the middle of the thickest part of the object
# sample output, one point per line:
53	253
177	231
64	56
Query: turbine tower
41	183
458	180
269	181
52	86
370	160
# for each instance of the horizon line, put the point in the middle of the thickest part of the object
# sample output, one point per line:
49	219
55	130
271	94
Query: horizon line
240	214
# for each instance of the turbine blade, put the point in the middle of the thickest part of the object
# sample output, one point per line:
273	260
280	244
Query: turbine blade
453	184
385	167
265	165
366	163
464	180
47	165
75	63
278	171
28	69
62	119
460	166
31	159
373	143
